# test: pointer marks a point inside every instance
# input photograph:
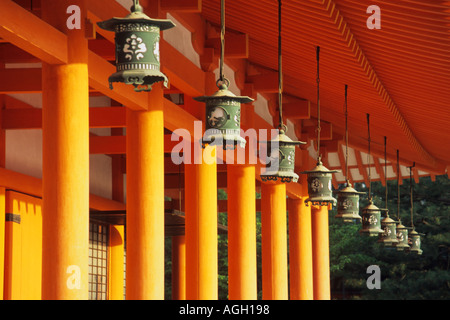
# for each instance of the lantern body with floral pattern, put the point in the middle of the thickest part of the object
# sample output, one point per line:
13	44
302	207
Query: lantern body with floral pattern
319	185
223	118
137	48
371	220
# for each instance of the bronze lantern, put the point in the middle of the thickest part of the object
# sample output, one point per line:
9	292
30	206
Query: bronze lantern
414	236
414	239
223	108
348	198
402	231
389	236
348	204
319	185
402	237
319	178
371	220
223	117
282	148
283	159
137	48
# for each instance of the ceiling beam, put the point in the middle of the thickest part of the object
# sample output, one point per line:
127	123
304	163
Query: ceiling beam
28	32
182	5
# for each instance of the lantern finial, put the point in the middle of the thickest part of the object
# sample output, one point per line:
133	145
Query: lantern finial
136	7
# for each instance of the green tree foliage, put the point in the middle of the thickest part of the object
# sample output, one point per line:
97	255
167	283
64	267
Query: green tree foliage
404	276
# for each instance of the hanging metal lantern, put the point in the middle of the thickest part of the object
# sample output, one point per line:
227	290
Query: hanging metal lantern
319	185
137	48
223	108
348	198
223	118
282	164
414	239
319	178
371	220
348	204
389	236
414	236
402	237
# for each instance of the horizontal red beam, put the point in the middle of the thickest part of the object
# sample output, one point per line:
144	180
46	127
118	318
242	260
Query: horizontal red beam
31	118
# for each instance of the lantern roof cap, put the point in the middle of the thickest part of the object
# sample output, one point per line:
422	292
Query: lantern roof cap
320	168
136	16
281	137
400	225
388	220
350	189
371	206
222	93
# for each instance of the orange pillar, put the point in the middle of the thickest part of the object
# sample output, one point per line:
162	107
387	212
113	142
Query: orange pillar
145	200
242	280
201	226
321	252
178	268
274	241
65	130
116	262
300	250
2	239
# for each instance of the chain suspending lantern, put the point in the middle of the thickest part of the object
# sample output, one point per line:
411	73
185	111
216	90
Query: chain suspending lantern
319	178
282	148
137	48
348	197
371	214
402	231
389	236
414	236
223	108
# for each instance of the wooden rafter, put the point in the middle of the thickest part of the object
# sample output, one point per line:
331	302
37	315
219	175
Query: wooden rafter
352	43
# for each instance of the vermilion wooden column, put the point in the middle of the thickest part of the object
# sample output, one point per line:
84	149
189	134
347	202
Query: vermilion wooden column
145	200
242	283
178	267
300	242
274	241
116	262
65	130
2	238
300	250
201	227
321	252
116	232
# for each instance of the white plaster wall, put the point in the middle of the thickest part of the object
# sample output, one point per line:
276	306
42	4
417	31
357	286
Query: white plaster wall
24	147
24	150
262	109
181	39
